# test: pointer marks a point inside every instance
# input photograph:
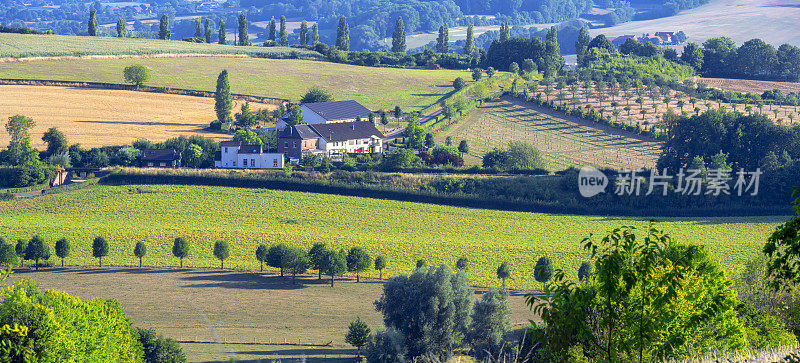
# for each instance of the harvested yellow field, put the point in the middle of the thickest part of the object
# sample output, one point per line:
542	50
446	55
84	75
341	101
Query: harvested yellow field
748	85
99	117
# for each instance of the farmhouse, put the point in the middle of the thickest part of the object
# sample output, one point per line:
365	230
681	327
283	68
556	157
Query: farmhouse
328	112
666	37
161	158
330	139
233	154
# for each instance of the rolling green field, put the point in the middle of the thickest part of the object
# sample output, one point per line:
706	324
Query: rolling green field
564	141
402	231
240	307
376	88
32	45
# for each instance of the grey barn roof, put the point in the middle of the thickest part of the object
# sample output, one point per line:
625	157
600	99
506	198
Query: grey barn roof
160	154
346	131
298	132
338	110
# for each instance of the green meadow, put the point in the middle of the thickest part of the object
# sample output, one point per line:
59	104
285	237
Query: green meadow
403	231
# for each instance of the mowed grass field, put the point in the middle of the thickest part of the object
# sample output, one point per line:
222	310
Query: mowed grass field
375	88
402	231
225	306
97	117
32	45
564	141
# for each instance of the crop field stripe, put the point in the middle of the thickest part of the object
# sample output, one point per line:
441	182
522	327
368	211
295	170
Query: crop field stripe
400	230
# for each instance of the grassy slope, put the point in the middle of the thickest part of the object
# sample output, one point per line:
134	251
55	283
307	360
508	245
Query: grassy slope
25	45
376	88
564	141
403	231
240	306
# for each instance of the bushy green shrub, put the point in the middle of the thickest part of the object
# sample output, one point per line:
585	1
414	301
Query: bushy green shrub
158	349
65	328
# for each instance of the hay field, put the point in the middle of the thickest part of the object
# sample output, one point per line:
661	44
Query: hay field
97	117
564	141
241	306
748	85
774	21
402	231
34	45
376	88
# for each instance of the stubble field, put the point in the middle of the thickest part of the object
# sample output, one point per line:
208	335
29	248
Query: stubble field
97	117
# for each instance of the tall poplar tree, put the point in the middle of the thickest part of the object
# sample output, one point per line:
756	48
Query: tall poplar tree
284	32
244	37
221	31
121	30
399	36
469	46
92	23
207	30
505	32
582	44
314	34
163	28
198	31
443	41
223	100
553	60
343	35
304	33
272	30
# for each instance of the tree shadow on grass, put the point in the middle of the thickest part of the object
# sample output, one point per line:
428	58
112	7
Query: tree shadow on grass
242	280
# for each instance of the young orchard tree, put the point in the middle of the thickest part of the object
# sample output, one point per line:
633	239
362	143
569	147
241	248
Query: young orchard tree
139	251
463	147
19	249
261	255
543	270
477	74
462	264
317	255
335	264
503	272
358	261
491	322
221	251
180	248
99	249
37	250
295	260
8	257
357	334
275	256
398	112
62	249
421	263
380	264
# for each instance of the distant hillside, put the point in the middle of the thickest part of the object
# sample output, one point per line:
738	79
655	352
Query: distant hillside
774	21
31	45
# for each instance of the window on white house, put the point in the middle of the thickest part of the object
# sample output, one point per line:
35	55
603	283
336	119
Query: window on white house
244	163
285	144
150	164
234	163
294	144
352	142
274	163
163	164
252	162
